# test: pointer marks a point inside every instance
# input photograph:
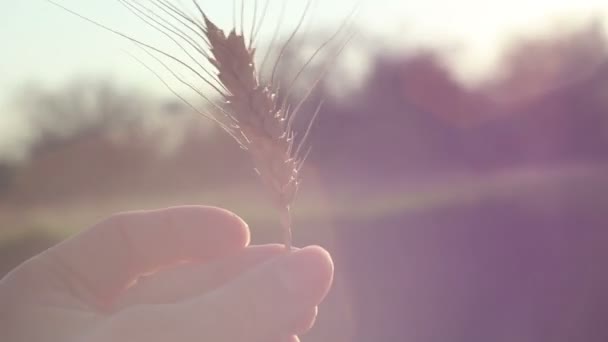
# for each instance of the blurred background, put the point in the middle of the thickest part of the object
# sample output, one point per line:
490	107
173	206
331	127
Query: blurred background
459	171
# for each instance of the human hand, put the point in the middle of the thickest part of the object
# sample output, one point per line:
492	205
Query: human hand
198	281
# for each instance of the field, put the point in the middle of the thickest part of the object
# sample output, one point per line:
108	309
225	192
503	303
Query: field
452	212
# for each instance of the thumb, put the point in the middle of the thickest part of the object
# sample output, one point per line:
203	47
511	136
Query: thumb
270	299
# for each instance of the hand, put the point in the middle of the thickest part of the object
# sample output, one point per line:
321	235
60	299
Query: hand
180	274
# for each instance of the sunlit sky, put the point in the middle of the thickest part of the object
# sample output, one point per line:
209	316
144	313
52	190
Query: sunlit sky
43	43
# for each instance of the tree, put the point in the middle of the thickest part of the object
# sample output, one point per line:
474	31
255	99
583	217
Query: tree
81	108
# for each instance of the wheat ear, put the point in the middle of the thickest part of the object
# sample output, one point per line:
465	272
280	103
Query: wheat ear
260	123
255	118
251	111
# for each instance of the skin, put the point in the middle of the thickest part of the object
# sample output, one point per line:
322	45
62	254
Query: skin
177	274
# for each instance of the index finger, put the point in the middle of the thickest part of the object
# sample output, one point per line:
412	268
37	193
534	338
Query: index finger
103	260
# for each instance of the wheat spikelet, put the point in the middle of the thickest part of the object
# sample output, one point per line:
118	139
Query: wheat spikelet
250	111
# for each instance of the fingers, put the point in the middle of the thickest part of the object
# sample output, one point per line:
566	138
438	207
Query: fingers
104	259
188	281
271	299
193	280
265	303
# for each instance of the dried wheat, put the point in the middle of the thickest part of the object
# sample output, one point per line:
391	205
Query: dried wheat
250	110
256	118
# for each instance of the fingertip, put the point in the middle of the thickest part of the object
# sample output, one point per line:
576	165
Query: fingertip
232	229
308	274
239	228
320	257
317	262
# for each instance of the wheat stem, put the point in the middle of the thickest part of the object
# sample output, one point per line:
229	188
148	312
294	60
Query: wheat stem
286	220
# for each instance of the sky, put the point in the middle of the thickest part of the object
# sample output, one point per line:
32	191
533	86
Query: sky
43	43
